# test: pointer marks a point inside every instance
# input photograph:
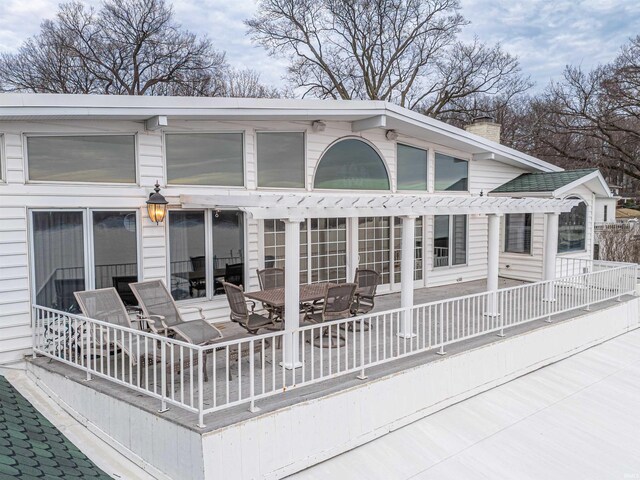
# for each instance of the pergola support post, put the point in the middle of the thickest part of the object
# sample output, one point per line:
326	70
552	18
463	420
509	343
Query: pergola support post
406	277
550	254
291	354
493	259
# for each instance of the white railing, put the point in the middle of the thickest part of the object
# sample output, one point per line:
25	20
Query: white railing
205	379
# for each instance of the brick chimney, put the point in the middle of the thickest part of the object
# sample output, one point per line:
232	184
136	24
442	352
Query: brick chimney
485	127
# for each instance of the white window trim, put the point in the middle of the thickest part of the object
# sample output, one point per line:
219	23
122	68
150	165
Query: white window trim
165	165
136	158
450	266
428	152
304	155
208	252
88	245
457	157
587	225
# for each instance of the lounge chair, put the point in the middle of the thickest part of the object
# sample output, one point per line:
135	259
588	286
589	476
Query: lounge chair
158	305
106	305
336	306
240	313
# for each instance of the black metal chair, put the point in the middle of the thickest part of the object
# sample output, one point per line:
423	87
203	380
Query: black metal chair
367	281
243	310
336	306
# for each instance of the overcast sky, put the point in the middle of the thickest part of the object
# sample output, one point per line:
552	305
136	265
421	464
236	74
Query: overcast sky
545	34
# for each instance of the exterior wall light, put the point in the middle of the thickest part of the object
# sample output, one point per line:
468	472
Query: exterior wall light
318	126
391	135
157	205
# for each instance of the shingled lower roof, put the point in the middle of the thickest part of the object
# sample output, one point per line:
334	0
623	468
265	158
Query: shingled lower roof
543	182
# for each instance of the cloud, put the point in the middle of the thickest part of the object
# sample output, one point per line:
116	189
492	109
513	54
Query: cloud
545	34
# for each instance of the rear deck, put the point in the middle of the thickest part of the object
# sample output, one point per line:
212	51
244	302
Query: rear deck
380	340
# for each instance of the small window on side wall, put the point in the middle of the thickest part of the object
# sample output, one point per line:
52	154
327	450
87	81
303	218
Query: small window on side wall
412	168
572	229
449	240
517	233
86	158
205	159
280	159
452	174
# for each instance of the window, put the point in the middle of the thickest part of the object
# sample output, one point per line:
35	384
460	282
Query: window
374	245
517	233
572	229
451	174
323	248
397	249
205	159
192	265
61	264
353	165
412	168
280	158
450	240
606	212
89	158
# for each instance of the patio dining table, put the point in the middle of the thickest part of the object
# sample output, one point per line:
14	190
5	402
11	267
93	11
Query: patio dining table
274	297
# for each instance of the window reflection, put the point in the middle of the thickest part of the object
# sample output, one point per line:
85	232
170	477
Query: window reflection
451	173
228	249
351	164
187	253
280	159
572	229
412	168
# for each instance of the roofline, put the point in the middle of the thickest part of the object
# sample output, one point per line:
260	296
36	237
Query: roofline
564	189
15	106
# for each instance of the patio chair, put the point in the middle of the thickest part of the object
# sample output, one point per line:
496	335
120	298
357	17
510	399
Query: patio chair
367	281
106	305
336	306
240	313
271	278
158	305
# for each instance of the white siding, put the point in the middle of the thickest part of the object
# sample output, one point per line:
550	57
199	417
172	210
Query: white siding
15	320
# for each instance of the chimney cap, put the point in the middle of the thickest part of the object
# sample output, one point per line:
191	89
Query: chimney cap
484	119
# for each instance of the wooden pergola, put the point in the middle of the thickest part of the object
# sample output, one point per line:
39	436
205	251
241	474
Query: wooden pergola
293	208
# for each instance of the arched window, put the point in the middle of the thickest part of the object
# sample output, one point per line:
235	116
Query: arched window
572	229
353	165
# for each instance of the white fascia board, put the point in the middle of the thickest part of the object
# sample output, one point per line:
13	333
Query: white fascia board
596	176
379	121
131	107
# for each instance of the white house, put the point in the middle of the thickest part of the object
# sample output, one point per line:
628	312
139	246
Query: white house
448	218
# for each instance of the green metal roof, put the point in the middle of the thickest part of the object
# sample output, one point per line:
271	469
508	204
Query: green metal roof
31	447
542	182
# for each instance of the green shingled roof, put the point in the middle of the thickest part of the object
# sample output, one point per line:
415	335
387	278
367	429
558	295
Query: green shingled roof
542	182
31	447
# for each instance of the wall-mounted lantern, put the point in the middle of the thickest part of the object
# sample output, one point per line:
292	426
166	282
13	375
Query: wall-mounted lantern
157	205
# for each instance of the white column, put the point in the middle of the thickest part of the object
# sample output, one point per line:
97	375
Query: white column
407	260
550	253
353	255
493	259
291	292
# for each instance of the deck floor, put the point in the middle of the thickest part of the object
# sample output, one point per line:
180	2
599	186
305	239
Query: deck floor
381	342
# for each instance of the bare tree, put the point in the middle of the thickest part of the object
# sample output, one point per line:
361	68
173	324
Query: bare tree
403	51
131	47
620	244
246	84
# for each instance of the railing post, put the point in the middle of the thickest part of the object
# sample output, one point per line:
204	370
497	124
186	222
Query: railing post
34	326
587	285
500	313
163	376
252	380
441	322
87	351
201	388
362	375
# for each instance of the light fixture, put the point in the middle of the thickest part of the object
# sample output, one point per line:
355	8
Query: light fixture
318	126
157	205
391	135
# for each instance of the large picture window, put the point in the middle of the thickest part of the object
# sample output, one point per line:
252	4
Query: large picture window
280	158
205	159
195	269
572	229
450	240
86	158
61	266
452	174
353	165
517	233
412	168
